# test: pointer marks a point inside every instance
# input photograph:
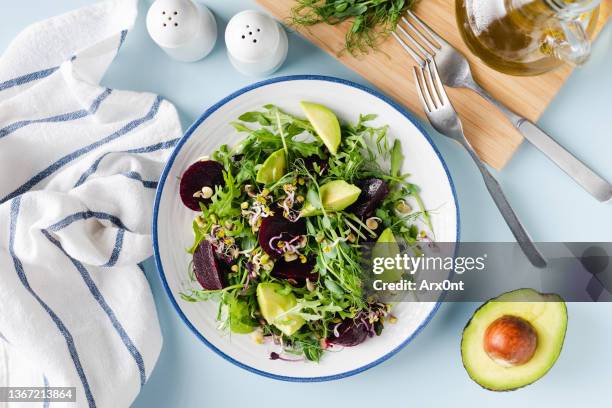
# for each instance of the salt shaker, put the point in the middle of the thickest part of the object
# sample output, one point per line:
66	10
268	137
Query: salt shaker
184	29
256	44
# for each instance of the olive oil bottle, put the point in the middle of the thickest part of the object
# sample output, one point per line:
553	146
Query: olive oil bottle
527	37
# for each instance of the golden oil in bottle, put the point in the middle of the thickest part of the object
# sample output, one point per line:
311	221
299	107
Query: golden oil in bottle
527	37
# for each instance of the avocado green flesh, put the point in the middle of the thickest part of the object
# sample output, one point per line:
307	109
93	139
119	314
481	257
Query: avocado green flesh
335	196
273	168
325	123
386	247
274	306
547	314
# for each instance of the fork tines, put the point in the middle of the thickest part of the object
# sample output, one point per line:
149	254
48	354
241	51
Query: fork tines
429	87
417	39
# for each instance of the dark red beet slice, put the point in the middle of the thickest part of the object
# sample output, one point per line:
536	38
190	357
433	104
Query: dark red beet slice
209	271
278	225
207	173
295	272
373	192
351	332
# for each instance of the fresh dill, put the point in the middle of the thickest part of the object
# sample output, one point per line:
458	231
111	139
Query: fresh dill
371	21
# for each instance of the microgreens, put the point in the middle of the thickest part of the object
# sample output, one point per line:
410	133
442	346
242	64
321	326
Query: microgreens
334	240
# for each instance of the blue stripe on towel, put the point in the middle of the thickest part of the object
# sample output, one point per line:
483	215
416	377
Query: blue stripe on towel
15	204
136	176
154	147
122	39
64	117
83	150
33	76
83	215
117	249
24	79
105	307
43	73
146	149
98	101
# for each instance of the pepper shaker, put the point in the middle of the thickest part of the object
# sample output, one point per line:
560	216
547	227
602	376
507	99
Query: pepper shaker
256	44
184	29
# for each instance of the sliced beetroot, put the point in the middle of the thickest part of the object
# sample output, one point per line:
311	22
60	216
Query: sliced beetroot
295	272
209	271
278	226
206	173
373	192
349	332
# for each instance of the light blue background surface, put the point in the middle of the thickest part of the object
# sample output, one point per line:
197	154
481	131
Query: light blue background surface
428	372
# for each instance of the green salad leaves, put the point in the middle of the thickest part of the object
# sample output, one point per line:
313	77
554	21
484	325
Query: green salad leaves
303	313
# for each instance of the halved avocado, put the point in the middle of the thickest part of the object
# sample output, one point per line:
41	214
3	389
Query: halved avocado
513	340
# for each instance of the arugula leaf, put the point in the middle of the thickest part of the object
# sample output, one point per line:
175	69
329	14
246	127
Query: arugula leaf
397	158
240	319
333	287
312	351
240	127
254	117
198	234
200	296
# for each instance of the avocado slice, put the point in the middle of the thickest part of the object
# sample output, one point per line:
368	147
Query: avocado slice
274	306
386	247
325	123
513	340
273	168
335	196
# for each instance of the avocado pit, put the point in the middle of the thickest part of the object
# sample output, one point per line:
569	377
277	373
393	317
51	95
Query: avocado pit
510	341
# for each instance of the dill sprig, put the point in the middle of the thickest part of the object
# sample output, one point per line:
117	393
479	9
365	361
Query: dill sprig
372	20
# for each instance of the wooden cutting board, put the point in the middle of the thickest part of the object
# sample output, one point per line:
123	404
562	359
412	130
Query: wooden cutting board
389	69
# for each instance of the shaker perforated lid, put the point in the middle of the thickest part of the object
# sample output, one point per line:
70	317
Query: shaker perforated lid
172	23
252	36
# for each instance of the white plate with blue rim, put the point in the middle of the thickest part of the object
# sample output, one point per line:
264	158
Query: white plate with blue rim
172	232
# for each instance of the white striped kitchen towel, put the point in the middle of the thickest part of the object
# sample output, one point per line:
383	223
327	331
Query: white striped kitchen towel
79	164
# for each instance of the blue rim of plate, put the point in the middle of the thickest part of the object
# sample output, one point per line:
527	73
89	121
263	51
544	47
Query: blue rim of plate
162	182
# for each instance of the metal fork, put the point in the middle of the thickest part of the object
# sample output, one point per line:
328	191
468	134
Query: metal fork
455	72
445	120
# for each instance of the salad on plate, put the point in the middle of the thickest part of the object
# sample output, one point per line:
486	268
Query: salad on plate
282	219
